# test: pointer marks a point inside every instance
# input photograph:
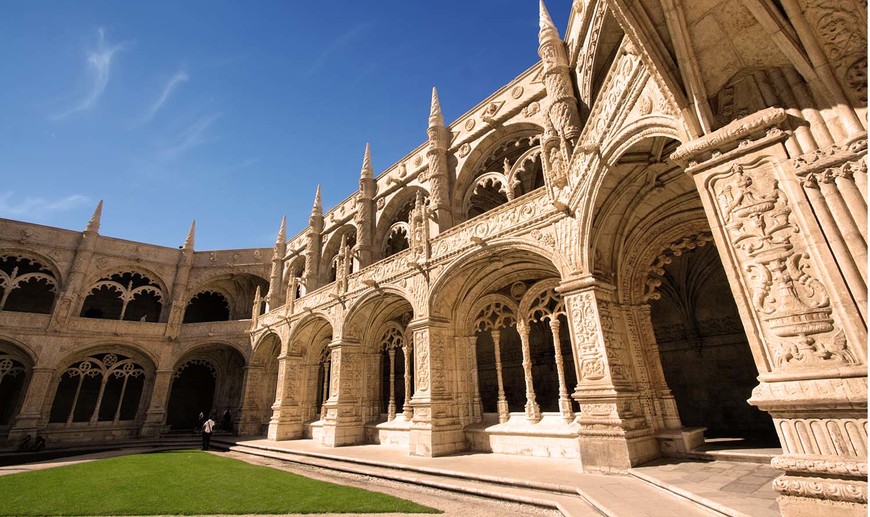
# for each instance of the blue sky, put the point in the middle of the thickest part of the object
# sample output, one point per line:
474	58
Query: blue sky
231	113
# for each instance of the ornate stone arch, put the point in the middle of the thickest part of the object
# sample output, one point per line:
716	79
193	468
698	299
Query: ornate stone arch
541	302
331	249
129	285
361	303
537	251
29	280
486	149
393	213
491	311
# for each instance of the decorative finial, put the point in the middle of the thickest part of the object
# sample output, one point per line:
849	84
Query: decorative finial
188	241
546	23
94	223
317	209
367	172
435	117
282	231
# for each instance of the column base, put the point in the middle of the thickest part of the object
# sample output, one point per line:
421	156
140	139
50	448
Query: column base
672	442
430	443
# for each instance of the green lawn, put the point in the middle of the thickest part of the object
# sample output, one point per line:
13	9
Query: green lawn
182	483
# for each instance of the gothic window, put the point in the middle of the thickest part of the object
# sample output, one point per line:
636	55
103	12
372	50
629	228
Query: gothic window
207	306
12	376
25	285
397	373
513	169
102	387
124	296
349	241
398	238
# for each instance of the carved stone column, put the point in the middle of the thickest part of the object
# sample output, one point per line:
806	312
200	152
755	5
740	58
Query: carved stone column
614	435
155	415
564	402
343	424
502	405
436	429
803	322
251	414
533	410
286	422
391	405
407	409
29	418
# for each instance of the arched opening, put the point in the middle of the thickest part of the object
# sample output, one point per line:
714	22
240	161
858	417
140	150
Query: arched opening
510	168
394	221
704	350
506	313
128	296
233	291
340	251
311	342
208	381
207	306
380	323
15	371
263	375
651	238
26	285
102	387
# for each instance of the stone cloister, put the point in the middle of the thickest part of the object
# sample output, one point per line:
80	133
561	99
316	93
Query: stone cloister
657	231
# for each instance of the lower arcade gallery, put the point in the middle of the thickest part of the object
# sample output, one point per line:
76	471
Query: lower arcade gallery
588	265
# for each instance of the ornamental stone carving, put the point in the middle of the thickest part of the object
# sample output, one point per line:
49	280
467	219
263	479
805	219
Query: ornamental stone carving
791	303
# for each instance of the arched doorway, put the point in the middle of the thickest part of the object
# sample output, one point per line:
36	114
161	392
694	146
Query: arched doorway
15	370
650	238
207	380
517	378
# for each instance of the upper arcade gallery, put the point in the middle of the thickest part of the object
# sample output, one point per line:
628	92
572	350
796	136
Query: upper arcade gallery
656	234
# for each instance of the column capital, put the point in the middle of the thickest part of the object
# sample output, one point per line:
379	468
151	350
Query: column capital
584	283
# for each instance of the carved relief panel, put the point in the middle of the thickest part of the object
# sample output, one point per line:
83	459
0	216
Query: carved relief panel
780	278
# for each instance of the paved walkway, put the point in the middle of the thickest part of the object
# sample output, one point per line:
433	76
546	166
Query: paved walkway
732	487
723	487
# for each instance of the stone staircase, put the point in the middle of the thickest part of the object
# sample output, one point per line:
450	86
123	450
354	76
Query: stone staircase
569	492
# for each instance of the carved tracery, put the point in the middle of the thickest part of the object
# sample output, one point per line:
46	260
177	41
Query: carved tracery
101	387
26	285
124	296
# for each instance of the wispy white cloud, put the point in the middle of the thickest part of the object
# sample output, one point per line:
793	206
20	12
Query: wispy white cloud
34	208
337	44
194	135
179	77
99	64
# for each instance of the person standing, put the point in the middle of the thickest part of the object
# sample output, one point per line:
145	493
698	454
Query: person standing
207	428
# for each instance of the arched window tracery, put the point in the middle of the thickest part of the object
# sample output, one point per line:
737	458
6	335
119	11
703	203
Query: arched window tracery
125	296
26	285
511	170
12	376
101	387
395	340
207	305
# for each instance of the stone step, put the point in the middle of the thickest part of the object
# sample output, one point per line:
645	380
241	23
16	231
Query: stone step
588	495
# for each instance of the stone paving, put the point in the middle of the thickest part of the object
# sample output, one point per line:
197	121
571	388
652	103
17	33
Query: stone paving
741	487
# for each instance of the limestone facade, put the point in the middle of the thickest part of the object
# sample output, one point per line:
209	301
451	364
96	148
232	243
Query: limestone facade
663	217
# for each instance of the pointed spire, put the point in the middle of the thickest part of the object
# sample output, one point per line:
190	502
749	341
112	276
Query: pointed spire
94	223
367	171
435	117
282	231
188	241
317	209
546	24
